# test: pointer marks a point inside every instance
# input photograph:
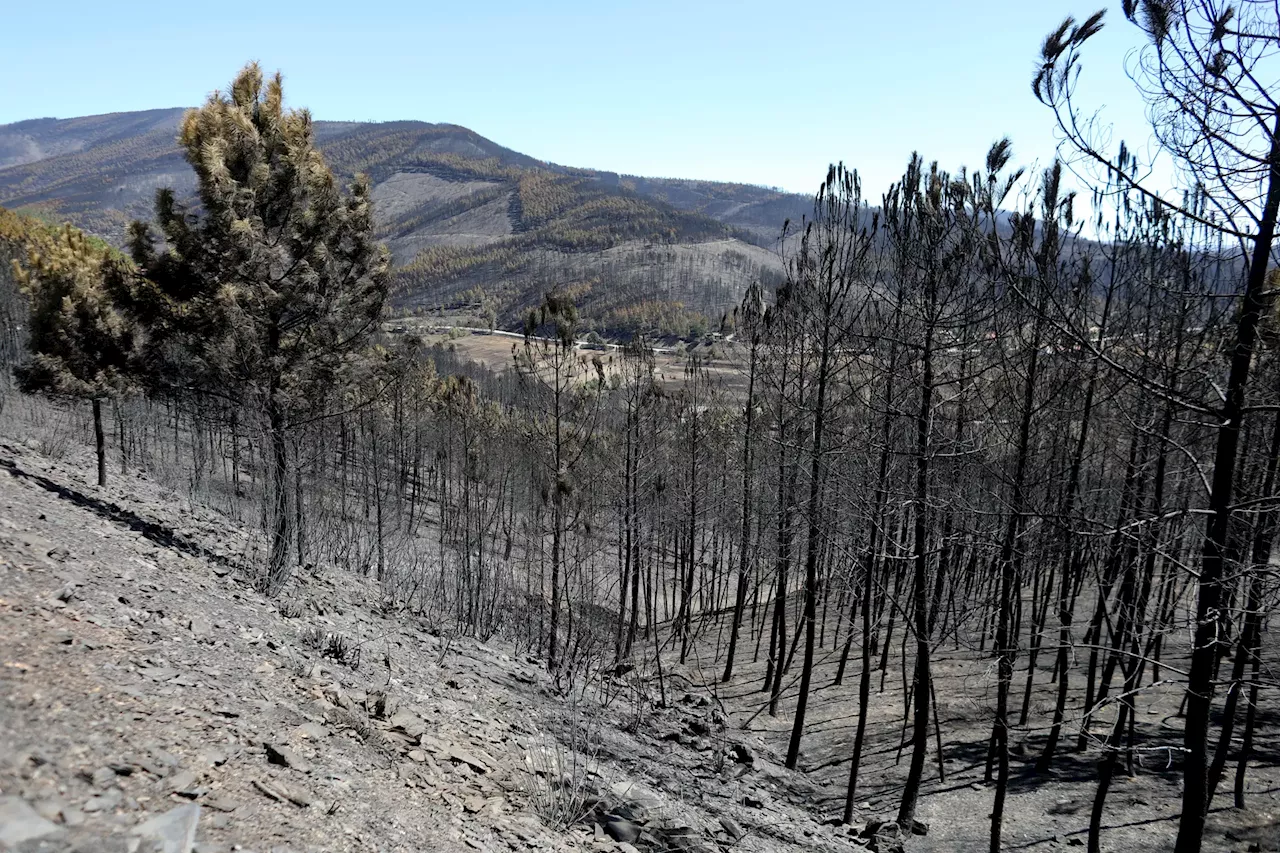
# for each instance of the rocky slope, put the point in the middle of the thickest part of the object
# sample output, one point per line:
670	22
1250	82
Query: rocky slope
150	699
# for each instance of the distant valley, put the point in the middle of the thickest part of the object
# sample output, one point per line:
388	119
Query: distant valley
473	227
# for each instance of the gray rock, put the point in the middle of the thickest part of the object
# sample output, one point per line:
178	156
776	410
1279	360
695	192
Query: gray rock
679	838
278	753
104	802
19	822
471	759
268	790
219	801
280	792
731	826
742	754
643	801
295	795
49	809
622	830
380	705
174	831
183	780
1065	806
313	731
164	757
212	757
627	812
408	722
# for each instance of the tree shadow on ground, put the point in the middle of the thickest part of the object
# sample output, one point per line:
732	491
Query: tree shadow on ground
116	514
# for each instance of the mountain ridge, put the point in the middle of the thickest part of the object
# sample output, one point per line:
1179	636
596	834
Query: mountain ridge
461	213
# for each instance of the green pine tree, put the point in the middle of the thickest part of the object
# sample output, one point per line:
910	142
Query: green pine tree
80	344
267	292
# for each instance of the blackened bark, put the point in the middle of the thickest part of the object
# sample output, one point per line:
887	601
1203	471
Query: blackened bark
1195	737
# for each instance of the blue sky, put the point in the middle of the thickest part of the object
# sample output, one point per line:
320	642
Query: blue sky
766	93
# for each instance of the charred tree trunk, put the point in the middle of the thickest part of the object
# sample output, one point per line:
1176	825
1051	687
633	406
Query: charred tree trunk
1195	739
99	442
920	584
744	540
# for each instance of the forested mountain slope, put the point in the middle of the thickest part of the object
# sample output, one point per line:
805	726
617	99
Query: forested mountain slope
458	211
